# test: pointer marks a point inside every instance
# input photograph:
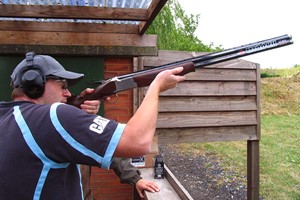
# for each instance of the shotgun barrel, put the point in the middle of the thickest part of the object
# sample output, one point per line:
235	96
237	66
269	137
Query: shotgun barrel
144	77
225	55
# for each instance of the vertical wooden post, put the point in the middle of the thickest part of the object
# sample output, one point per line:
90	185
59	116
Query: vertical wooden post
253	169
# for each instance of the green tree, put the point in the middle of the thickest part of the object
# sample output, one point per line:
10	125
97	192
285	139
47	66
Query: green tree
176	30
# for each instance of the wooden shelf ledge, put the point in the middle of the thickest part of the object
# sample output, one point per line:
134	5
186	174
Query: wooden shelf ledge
170	187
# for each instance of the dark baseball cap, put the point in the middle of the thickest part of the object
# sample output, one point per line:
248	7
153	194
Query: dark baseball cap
50	68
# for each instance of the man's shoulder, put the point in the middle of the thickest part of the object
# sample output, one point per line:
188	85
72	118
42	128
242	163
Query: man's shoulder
66	110
14	103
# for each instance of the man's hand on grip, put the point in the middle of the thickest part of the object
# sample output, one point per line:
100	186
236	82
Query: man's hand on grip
168	79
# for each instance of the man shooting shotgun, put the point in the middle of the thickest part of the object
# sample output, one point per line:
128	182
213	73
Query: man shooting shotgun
143	78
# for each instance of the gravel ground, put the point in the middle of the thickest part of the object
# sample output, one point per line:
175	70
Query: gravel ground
203	177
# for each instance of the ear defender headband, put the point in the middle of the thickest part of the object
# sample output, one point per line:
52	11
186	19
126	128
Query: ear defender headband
32	78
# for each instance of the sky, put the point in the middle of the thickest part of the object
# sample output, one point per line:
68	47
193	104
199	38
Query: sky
232	23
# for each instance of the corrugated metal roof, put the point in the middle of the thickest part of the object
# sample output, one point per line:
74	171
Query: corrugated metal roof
144	4
96	3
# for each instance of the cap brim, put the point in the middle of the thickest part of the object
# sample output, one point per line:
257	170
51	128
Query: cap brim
71	77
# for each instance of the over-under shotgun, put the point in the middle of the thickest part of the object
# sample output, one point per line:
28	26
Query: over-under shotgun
143	78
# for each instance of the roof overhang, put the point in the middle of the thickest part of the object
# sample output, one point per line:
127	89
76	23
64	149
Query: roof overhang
109	23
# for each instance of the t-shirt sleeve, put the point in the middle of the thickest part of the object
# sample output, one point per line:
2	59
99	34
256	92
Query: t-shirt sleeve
93	136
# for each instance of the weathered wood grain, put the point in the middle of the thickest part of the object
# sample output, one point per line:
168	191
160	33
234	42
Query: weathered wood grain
196	103
206	119
219	102
209	88
206	134
70	38
73	12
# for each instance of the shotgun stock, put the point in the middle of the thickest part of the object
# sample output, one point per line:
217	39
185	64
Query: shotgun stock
144	78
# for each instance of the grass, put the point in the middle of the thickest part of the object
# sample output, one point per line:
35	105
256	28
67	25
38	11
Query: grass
280	139
280	96
285	72
280	157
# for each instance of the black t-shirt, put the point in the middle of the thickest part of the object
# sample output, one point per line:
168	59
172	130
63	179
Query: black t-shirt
42	145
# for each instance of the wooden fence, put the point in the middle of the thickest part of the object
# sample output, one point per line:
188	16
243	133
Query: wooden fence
220	102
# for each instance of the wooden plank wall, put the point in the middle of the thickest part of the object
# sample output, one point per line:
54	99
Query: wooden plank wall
216	103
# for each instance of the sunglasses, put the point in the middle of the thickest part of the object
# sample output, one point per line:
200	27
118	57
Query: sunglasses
62	82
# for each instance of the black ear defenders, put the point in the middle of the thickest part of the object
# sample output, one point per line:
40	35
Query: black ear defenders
32	78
